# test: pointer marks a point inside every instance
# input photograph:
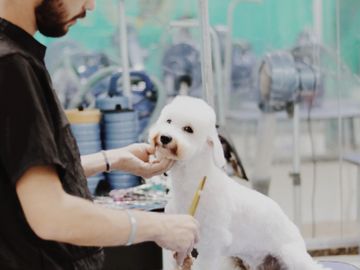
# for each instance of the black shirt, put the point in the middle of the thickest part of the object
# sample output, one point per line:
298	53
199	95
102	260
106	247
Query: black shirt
34	131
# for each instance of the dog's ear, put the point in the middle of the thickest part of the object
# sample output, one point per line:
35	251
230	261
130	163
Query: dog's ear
217	150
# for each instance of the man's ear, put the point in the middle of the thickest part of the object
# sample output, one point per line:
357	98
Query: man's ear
217	150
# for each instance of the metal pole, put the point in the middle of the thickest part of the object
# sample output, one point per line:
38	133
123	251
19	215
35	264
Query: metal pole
124	53
358	194
296	166
228	46
219	79
228	50
216	54
266	131
318	19
340	120
206	56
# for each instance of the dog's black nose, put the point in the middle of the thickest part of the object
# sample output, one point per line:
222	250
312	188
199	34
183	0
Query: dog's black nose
165	139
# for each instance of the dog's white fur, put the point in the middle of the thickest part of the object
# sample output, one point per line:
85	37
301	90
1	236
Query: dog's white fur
235	221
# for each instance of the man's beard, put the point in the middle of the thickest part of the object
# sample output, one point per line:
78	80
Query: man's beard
50	18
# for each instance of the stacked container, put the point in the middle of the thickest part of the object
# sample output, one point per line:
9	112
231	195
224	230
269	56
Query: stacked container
120	127
85	126
143	94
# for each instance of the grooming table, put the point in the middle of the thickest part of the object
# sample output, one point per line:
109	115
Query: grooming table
327	111
249	113
354	158
338	265
143	256
350	111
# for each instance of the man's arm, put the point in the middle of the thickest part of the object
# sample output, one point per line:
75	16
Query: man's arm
93	164
55	215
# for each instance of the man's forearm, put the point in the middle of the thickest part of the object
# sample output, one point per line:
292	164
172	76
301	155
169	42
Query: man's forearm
93	164
55	215
83	223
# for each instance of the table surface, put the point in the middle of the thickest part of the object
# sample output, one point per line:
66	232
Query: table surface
353	158
327	111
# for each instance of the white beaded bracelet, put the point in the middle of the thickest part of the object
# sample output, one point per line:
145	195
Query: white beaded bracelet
133	224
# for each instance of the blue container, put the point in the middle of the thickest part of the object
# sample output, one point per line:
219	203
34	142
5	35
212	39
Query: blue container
93	181
125	116
120	135
89	147
120	127
143	123
123	181
112	103
90	144
114	133
118	173
84	128
119	143
88	151
87	136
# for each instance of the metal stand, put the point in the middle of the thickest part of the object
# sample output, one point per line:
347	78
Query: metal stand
216	55
296	166
124	52
228	45
206	63
261	178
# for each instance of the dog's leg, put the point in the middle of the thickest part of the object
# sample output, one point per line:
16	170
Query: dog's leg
239	264
169	261
208	262
272	263
295	257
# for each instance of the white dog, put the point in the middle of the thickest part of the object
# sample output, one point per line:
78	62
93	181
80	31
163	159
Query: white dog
235	221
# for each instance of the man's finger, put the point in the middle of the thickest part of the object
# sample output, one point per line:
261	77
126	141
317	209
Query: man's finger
155	161
150	149
168	167
159	167
164	166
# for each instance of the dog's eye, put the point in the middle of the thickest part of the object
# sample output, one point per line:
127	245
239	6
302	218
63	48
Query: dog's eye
188	129
168	121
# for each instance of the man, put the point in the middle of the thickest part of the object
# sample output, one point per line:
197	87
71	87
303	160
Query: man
47	218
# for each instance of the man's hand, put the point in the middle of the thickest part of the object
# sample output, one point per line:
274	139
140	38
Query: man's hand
179	233
135	159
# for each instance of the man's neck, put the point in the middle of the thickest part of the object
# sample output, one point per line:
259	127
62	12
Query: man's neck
20	13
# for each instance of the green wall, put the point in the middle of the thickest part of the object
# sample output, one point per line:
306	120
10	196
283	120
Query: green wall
274	24
350	33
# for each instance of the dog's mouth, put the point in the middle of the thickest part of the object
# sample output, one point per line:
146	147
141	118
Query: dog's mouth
169	150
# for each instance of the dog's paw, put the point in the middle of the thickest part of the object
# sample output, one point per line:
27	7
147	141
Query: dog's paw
239	264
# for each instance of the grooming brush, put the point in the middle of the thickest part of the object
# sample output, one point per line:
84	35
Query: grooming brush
192	210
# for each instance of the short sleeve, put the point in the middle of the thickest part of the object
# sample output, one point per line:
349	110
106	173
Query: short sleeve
27	136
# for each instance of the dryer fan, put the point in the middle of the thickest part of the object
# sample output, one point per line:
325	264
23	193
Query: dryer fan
182	69
283	81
